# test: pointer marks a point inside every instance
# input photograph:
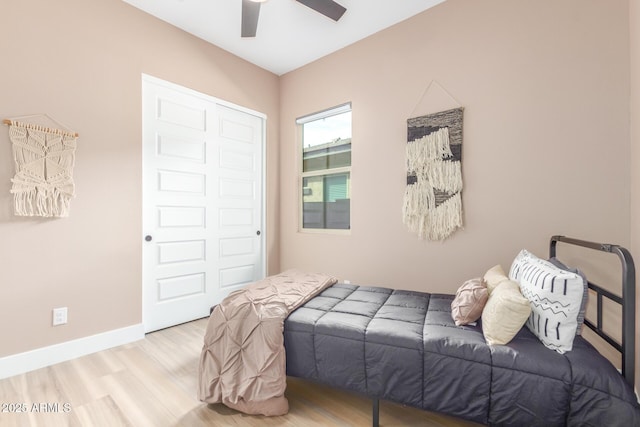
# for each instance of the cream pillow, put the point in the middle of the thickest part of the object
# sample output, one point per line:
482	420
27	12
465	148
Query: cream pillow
469	302
494	277
505	313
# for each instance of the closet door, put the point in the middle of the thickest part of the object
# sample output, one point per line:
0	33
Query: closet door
202	202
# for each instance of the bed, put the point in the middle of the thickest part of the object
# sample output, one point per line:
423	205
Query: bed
405	347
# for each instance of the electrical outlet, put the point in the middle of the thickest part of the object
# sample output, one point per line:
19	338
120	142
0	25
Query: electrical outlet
59	316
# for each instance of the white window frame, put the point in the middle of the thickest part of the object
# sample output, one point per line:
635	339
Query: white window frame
343	108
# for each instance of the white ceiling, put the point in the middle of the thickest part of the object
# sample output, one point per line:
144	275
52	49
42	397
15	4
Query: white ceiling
289	34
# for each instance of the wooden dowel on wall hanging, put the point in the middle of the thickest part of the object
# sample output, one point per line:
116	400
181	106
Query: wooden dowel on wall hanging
76	134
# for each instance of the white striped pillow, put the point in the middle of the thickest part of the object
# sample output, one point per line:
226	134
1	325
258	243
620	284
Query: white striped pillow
556	297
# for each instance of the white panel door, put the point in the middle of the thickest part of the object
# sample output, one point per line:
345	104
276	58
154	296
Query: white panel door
202	202
238	193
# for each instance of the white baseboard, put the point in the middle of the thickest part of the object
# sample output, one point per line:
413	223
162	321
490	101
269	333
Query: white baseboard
47	356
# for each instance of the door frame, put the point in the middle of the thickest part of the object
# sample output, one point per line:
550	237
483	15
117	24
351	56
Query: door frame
262	209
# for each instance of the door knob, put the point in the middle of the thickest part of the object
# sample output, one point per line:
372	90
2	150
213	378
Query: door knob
258	233
148	238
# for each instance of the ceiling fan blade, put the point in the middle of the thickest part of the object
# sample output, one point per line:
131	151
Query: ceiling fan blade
328	8
250	14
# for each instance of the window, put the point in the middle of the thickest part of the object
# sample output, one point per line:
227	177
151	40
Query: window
325	197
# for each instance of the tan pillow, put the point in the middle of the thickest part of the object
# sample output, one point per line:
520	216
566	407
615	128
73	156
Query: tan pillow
470	299
494	277
505	313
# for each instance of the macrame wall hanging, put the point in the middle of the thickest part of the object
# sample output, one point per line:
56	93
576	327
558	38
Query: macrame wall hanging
44	158
432	201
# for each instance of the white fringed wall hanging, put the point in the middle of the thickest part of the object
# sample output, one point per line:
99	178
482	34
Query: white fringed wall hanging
44	158
432	200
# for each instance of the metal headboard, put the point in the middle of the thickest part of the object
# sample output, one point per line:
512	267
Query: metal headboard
627	301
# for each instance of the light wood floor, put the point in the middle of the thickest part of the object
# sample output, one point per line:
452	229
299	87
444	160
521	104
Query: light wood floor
152	382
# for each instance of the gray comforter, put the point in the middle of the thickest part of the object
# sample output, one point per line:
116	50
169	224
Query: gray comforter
404	347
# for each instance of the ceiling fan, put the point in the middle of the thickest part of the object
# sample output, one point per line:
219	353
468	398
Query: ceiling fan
251	12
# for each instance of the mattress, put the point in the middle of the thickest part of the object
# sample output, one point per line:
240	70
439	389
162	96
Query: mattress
403	346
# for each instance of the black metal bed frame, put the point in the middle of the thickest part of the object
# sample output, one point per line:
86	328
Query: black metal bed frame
628	302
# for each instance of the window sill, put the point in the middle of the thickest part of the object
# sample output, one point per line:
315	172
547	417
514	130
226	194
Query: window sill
326	231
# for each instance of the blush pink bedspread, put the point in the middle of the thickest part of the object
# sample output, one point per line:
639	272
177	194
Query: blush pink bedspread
243	363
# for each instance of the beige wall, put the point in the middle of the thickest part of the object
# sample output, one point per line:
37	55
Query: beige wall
634	30
545	87
81	62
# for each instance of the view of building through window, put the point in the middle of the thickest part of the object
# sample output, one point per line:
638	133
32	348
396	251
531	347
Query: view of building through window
326	169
